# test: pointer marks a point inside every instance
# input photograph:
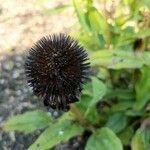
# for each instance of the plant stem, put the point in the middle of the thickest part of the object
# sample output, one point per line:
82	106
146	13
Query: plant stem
80	117
77	113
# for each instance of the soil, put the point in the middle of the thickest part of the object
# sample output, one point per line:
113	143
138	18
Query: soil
22	23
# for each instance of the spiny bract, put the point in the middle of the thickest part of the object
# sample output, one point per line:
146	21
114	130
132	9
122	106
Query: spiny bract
56	67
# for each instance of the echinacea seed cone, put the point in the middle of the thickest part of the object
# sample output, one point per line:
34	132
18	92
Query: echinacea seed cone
56	67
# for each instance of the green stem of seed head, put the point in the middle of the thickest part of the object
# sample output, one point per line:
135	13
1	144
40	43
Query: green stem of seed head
80	118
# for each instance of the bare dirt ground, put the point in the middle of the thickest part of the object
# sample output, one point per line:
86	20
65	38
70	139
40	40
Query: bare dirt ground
22	23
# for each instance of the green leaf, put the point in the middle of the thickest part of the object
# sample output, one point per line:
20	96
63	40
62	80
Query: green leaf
128	2
128	36
104	139
83	105
126	135
85	97
142	88
98	26
87	40
99	90
55	10
142	33
123	94
117	59
122	106
40	2
141	140
92	93
117	122
133	113
28	122
97	21
87	89
147	3
82	16
61	131
101	40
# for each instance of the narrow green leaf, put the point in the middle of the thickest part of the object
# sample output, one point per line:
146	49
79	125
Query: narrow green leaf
61	131
97	21
55	10
104	139
99	90
134	113
123	94
28	122
98	26
117	59
122	106
82	16
143	89
117	122
141	140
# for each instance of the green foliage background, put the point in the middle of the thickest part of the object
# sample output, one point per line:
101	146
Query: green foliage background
114	105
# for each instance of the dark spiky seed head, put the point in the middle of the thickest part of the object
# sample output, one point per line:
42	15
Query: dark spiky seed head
56	68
